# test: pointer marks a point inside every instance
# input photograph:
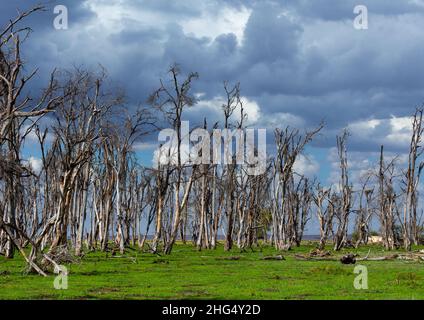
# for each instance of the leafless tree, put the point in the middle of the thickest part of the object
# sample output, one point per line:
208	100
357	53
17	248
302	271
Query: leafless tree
387	201
410	223
290	145
325	213
364	212
172	102
344	210
18	114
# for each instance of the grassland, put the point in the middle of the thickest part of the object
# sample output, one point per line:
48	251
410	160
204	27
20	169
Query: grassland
190	274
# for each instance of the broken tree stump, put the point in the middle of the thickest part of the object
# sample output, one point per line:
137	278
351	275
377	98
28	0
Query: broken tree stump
348	259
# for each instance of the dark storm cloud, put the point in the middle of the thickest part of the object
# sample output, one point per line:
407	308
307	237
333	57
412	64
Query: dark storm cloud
297	59
270	38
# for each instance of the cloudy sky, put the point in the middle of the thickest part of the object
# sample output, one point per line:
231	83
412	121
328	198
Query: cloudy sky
299	62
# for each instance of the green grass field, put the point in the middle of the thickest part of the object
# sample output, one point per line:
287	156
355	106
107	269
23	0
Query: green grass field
190	274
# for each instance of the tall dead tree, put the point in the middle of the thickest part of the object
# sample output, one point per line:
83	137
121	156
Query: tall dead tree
289	144
410	223
122	137
229	174
325	213
172	100
364	212
16	111
76	131
345	189
387	206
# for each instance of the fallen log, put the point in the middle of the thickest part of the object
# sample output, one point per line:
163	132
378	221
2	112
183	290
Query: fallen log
352	259
411	257
279	257
6	228
384	258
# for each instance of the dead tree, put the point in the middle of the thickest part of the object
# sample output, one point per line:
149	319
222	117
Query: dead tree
325	214
387	206
172	102
342	215
257	195
229	174
364	213
104	182
290	144
203	238
16	111
410	223
301	204
76	131
134	127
